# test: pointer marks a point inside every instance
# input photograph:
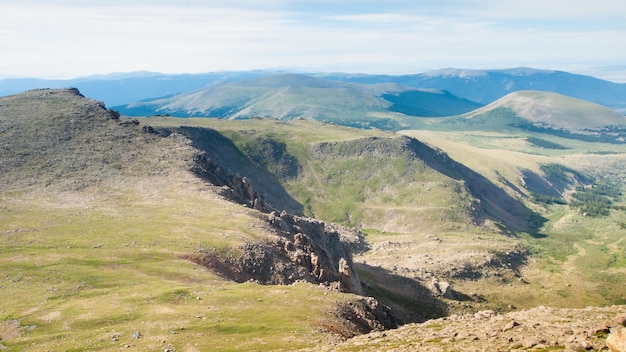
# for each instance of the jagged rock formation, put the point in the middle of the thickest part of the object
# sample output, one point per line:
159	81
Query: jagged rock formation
304	249
235	187
220	162
319	248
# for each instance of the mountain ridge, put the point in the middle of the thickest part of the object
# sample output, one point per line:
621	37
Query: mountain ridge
485	86
289	96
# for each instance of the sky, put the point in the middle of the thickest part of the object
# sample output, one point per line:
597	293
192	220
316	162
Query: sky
74	38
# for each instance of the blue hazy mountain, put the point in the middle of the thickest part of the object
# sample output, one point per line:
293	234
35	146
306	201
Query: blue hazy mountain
289	96
487	86
481	86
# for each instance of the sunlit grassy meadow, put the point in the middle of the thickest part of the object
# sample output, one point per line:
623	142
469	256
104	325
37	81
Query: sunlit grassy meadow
111	273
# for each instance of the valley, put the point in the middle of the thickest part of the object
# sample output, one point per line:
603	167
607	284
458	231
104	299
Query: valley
302	232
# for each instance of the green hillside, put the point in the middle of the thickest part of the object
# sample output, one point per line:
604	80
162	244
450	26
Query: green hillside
543	112
408	204
104	229
429	103
212	234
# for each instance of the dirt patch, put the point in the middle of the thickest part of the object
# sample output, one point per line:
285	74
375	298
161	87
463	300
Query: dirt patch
9	330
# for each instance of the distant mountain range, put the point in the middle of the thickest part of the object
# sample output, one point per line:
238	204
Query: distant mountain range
486	86
290	96
479	86
123	88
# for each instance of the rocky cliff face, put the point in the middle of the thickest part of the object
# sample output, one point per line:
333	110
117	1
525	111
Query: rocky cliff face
303	250
221	163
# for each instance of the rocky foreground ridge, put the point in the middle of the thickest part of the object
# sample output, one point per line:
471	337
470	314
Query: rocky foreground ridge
537	329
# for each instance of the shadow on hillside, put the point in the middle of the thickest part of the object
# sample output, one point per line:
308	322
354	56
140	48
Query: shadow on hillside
495	203
408	299
230	162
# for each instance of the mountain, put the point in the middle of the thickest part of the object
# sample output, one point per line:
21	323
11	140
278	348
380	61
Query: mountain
486	86
123	231
122	88
556	111
202	234
290	96
108	219
481	86
429	103
544	112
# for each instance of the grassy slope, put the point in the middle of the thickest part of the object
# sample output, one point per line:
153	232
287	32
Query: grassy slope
558	111
349	177
89	256
283	97
75	276
402	219
418	221
539	111
579	260
80	265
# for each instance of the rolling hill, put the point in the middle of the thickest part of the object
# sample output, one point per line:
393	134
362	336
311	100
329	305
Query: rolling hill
290	96
487	86
549	113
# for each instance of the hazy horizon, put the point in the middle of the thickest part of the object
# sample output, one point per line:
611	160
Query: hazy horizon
69	39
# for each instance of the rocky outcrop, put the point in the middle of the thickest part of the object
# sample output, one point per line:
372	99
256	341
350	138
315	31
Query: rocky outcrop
324	251
235	187
363	316
221	163
537	329
444	289
303	250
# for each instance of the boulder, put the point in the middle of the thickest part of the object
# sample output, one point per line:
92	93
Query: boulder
621	320
444	288
616	342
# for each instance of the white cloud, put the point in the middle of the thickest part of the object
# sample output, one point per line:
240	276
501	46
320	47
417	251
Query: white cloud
71	38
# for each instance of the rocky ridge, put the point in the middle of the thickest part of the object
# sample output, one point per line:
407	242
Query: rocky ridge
304	248
74	144
538	329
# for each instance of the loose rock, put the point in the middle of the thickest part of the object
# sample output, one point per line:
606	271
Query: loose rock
616	342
